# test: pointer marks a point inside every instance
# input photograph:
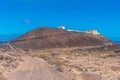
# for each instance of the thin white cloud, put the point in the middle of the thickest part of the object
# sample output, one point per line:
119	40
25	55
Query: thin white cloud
27	21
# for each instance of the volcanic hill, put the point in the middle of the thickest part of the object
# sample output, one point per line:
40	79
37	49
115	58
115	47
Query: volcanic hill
42	38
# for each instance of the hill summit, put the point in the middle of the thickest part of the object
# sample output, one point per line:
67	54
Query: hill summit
42	38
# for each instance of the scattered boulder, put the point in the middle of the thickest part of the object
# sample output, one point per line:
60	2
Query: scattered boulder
9	59
1	57
117	51
59	68
6	58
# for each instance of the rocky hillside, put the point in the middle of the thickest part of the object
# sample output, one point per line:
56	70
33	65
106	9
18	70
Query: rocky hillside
44	37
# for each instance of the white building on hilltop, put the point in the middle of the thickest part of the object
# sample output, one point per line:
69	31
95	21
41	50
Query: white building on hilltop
95	32
62	27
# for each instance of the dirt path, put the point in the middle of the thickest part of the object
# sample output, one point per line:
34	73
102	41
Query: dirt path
36	69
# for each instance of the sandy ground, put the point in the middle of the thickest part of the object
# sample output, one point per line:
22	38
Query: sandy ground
36	69
107	69
90	66
60	64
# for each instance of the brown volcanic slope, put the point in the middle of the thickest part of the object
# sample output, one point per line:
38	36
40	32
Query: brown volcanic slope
42	38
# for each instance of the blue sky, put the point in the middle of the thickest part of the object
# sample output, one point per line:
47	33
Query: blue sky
20	16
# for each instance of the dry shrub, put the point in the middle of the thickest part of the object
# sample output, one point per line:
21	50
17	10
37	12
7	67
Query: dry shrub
115	68
90	76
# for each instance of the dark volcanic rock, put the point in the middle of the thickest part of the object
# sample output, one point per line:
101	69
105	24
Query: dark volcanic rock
42	38
105	48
